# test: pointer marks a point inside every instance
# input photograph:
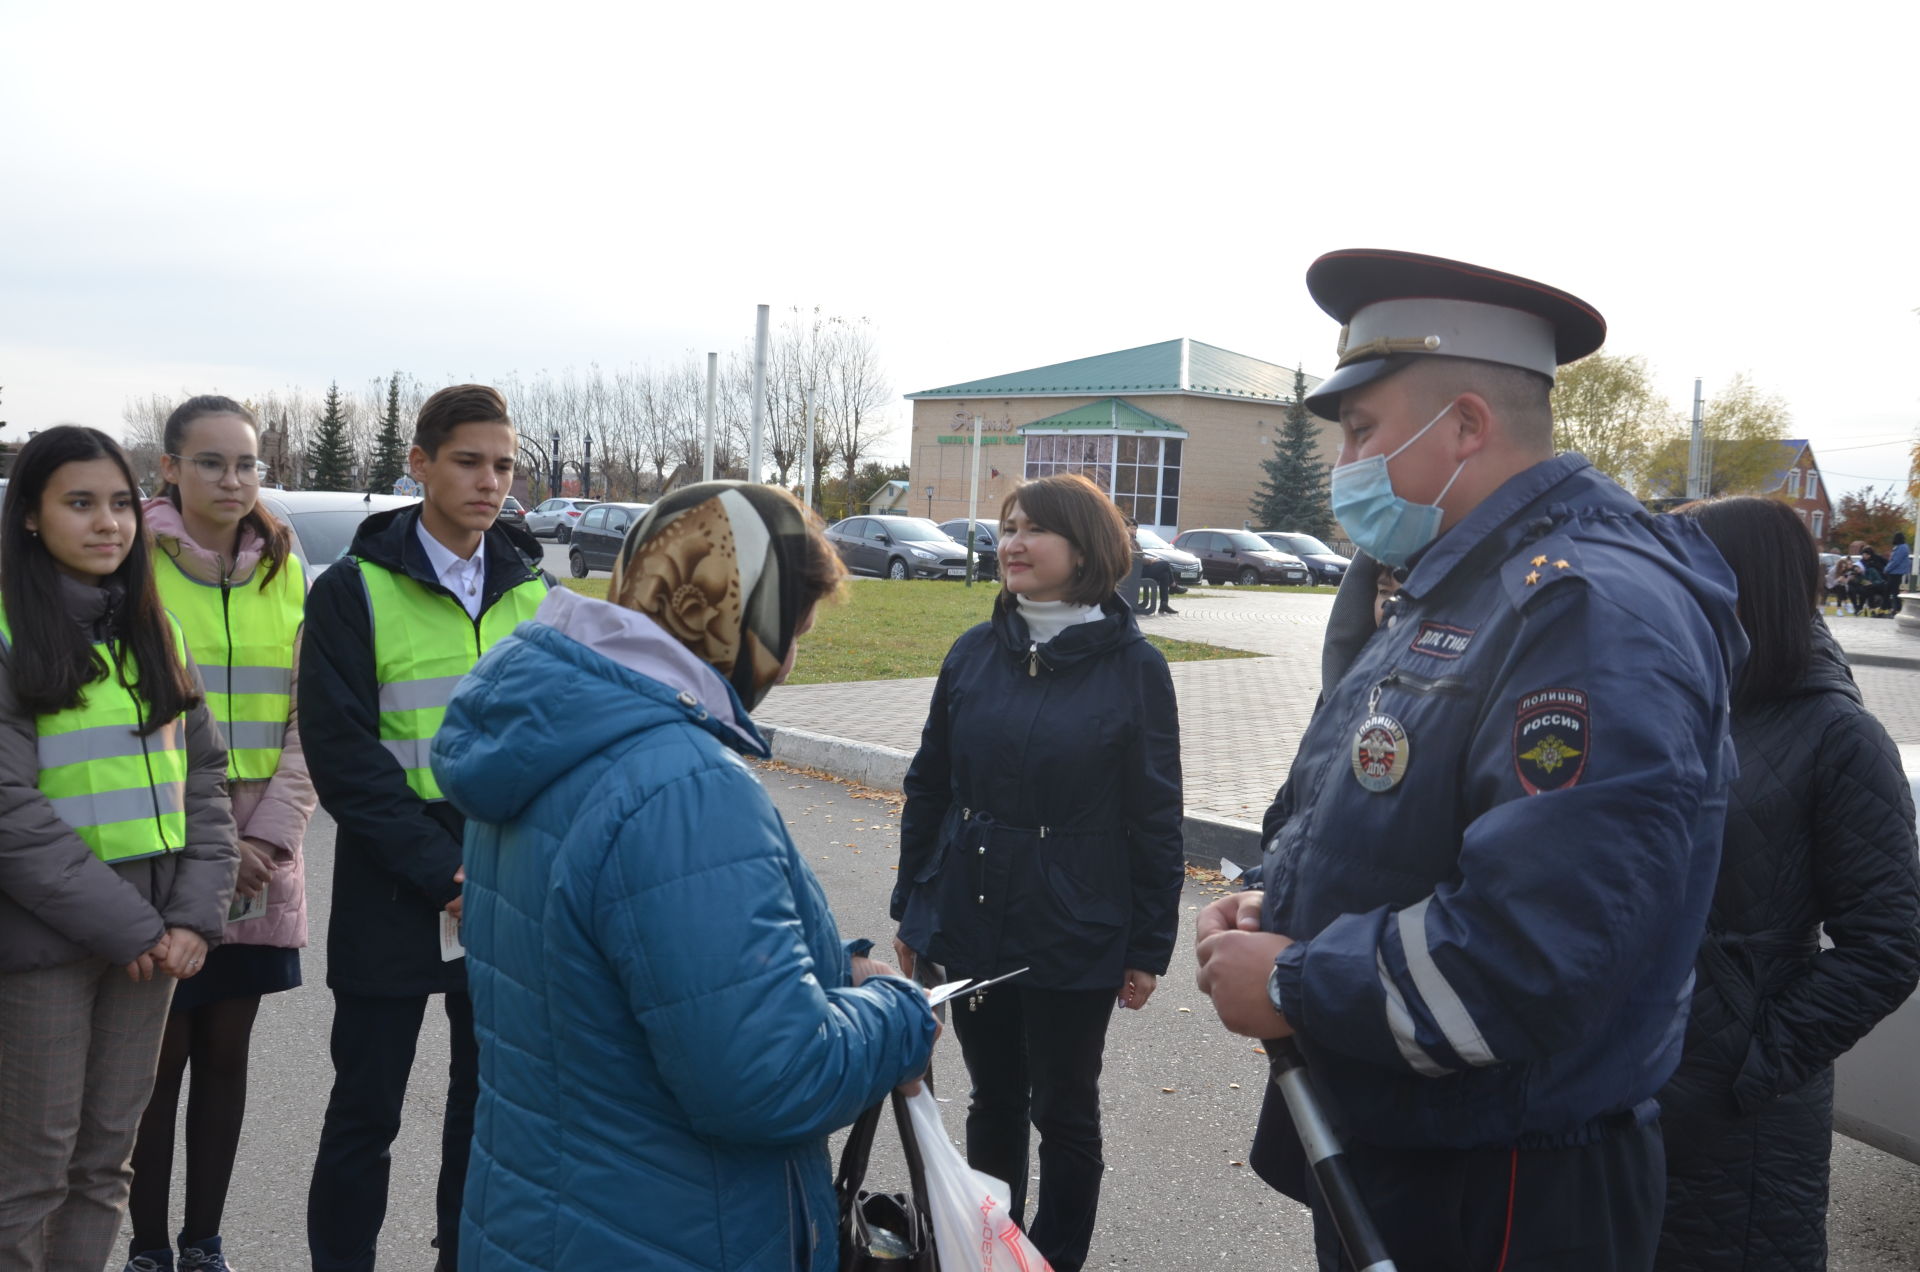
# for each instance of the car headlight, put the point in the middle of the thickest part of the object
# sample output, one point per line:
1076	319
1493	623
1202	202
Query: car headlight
924	555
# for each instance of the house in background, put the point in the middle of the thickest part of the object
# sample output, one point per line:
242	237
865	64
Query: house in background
1797	480
891	497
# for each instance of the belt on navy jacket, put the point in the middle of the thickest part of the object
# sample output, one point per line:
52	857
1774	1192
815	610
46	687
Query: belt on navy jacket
987	818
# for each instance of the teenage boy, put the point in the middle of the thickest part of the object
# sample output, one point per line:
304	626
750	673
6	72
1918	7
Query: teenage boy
422	592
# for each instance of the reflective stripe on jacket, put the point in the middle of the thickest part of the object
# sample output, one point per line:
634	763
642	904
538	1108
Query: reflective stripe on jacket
242	637
123	794
423	643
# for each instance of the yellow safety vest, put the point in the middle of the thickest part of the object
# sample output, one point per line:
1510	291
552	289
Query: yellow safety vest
423	643
124	795
242	638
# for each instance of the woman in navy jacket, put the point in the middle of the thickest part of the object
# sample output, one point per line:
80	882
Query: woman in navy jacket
1042	831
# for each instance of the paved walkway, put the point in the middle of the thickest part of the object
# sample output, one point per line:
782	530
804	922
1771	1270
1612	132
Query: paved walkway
1241	719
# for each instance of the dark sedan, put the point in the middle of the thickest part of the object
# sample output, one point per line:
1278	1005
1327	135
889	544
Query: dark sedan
1240	556
986	540
897	548
511	514
1327	565
598	534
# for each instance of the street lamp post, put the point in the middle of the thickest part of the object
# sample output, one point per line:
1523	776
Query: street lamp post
929	503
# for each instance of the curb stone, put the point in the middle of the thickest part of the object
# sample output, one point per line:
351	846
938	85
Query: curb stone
1207	839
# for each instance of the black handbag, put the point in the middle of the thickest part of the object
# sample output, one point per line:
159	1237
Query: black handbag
883	1231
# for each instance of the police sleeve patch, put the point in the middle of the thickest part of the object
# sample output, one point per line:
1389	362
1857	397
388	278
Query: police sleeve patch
1551	739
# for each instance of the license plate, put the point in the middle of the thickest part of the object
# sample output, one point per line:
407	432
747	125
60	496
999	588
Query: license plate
1189	576
957	572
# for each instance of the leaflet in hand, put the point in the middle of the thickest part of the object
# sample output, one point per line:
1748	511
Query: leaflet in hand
450	947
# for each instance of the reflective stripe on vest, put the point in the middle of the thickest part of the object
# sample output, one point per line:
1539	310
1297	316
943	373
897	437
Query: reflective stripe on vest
423	643
242	638
122	794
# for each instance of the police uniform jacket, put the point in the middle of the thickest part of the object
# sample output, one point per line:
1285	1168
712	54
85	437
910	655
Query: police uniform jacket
1043	814
1505	825
395	854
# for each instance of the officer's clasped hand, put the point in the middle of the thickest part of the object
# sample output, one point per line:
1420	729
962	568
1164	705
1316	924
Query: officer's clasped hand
1236	960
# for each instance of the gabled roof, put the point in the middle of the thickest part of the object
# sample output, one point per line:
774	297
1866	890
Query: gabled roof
1172	366
1108	415
1790	450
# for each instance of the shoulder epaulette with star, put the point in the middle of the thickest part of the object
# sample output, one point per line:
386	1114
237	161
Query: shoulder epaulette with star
1538	566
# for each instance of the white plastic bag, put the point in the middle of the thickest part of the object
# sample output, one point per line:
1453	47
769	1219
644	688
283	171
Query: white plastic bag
971	1227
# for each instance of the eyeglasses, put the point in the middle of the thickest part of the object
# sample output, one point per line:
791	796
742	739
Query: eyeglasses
214	468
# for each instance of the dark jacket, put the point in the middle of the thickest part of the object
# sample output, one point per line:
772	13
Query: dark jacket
1505	825
1820	832
395	854
1043	815
58	902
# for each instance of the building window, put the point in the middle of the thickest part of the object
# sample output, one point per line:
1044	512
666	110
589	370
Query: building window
1819	524
1140	474
1813	483
1793	482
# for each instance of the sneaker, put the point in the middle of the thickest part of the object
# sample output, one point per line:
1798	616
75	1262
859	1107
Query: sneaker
150	1261
203	1256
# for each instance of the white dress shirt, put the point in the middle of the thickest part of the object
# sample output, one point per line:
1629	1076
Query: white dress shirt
465	579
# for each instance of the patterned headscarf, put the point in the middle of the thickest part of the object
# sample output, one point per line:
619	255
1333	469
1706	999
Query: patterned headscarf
719	565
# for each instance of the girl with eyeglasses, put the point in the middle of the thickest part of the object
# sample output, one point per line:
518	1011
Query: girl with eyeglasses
227	576
116	843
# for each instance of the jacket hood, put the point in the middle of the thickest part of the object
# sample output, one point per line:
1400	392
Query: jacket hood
1078	643
196	562
582	677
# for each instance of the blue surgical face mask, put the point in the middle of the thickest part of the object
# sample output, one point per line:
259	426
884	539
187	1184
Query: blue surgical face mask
1382	524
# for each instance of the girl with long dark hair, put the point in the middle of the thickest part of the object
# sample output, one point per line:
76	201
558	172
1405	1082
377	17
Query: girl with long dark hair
227	574
1042	831
1819	838
116	843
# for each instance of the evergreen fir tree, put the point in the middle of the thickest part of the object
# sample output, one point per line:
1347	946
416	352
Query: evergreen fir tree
329	465
1293	494
389	448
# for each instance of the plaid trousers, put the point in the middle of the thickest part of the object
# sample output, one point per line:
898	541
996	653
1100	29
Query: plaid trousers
78	1048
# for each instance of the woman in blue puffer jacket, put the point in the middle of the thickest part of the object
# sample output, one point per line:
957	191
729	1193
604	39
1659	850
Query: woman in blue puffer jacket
669	1024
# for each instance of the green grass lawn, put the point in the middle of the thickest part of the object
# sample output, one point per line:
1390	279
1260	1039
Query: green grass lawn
895	631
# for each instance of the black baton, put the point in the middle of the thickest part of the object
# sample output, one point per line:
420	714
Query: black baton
1361	1240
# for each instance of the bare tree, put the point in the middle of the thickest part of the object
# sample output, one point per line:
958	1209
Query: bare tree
856	401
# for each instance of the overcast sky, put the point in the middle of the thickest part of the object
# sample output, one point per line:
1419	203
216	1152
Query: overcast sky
234	197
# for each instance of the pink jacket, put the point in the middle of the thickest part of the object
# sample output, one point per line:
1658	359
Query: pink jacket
274	812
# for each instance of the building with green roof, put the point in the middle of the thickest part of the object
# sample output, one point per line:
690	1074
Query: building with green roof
1174	431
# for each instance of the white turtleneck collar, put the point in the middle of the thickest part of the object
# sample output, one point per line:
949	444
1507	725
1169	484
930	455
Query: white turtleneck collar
1047	619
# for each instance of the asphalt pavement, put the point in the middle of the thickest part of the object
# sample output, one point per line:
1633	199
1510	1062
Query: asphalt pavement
1180	1098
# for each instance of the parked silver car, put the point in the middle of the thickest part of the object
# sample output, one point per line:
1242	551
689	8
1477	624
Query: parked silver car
556	518
323	521
1876	1099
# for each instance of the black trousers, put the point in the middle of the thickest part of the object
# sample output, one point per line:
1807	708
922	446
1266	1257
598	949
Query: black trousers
1033	1055
1160	574
373	1045
1591	1208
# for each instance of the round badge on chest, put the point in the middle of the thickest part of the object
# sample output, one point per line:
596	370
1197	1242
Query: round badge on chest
1380	752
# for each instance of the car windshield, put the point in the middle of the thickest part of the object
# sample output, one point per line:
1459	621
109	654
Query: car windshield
1247	541
1305	543
912	529
325	535
1148	539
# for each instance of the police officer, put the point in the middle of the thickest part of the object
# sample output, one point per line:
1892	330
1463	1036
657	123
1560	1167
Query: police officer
1485	889
391	628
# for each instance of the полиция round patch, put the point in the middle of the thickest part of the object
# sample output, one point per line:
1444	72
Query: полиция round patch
1380	752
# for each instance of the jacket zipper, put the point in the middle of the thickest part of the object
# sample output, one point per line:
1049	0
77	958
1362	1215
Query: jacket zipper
1419	684
1033	658
226	625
